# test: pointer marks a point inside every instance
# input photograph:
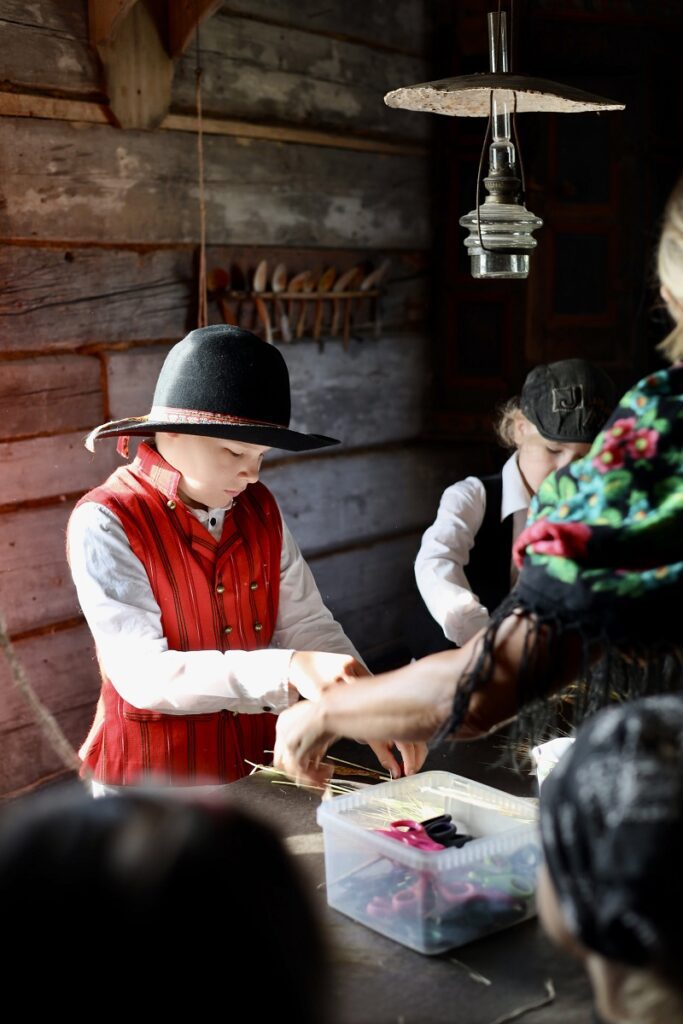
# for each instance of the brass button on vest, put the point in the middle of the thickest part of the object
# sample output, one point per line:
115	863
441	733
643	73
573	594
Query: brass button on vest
258	627
220	589
227	629
170	504
253	585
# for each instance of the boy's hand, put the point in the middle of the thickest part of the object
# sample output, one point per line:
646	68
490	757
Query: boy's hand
313	672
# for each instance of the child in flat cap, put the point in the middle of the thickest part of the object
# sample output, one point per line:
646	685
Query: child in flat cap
206	618
464	566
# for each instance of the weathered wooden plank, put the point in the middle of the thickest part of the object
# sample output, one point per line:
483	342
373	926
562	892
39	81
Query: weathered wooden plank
48	467
27	758
57	299
60	667
392	24
332	501
57	108
54	299
278	193
252	69
35	583
338	138
45	46
49	395
371	591
333	392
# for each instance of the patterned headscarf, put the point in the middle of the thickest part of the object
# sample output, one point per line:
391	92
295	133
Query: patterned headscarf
612	828
602	560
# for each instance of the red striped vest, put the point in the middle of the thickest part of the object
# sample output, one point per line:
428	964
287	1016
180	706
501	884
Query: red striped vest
212	596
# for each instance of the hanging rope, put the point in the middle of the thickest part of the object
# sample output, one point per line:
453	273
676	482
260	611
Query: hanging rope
202	307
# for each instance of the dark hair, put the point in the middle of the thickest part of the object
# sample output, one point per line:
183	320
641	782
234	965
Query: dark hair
612	827
172	903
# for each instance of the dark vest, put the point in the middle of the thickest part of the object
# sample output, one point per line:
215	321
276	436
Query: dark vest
488	570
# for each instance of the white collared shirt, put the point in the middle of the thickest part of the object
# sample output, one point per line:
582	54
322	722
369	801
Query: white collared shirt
446	545
125	620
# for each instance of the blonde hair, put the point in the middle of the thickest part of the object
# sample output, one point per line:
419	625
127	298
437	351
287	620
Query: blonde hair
670	269
508	417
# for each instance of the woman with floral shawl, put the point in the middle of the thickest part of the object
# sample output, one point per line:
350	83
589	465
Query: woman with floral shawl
596	613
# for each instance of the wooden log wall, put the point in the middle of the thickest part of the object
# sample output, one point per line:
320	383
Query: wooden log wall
98	243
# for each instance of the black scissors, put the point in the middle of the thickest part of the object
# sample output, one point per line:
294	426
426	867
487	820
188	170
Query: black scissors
443	830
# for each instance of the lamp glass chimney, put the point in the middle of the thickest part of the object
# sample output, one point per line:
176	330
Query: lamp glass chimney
500	230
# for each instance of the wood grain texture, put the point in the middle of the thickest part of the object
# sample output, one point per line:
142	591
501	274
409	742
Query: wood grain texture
35	582
91	183
45	46
138	71
62	670
49	395
57	299
28	759
255	69
329	502
49	467
371	591
391	24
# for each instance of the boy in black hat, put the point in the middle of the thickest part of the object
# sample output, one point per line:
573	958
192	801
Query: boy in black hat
464	567
206	619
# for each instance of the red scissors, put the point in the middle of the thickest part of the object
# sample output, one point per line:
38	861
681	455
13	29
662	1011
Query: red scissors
411	833
415	898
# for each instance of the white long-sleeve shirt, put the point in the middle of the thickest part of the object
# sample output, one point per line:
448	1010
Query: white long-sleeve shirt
125	620
444	553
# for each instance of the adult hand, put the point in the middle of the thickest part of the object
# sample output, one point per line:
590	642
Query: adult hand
313	672
412	757
301	741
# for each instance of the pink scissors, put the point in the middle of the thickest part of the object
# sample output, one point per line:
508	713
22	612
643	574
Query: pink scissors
413	899
411	833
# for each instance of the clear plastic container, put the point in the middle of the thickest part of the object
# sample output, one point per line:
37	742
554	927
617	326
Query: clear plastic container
432	900
547	755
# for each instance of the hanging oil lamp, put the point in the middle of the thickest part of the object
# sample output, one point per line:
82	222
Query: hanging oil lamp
500	237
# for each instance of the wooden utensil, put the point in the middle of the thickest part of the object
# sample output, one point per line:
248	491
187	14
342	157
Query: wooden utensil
295	285
259	285
324	284
217	284
307	288
375	276
279	283
370	282
344	283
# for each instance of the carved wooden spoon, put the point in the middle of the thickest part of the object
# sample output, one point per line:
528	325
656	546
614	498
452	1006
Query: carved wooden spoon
259	285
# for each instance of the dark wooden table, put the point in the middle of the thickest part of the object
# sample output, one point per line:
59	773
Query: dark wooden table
379	981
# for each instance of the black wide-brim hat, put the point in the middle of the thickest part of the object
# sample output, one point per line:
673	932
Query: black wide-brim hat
220	381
